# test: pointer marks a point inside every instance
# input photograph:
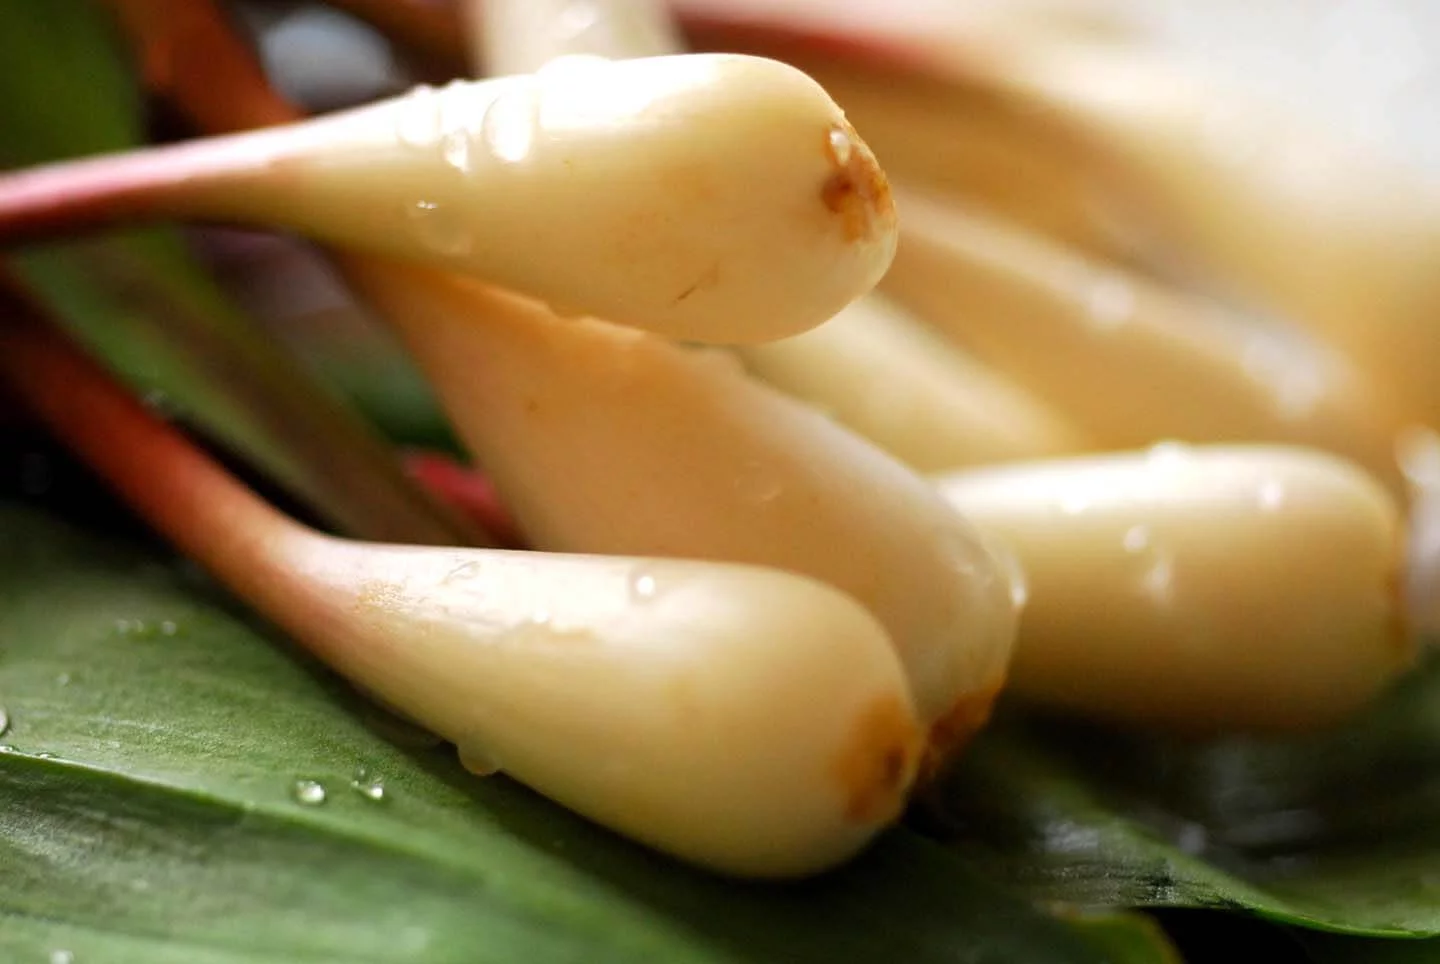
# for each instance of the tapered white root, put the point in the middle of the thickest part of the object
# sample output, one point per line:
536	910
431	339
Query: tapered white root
1200	588
1128	360
602	439
878	371
750	721
708	197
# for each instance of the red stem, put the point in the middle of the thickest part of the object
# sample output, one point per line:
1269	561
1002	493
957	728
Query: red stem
189	498
186	45
142	185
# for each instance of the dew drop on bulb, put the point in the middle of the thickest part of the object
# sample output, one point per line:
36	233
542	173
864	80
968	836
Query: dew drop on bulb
455	148
439	228
418	125
1009	568
310	793
642	586
455	130
840	144
508	130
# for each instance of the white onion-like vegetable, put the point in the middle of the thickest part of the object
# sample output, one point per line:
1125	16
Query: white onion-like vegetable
1200	588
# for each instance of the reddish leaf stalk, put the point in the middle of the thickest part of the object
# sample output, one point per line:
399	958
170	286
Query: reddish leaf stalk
183	46
202	509
220	86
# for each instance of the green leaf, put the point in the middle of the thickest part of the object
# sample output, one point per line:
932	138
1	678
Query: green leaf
144	305
166	826
1338	831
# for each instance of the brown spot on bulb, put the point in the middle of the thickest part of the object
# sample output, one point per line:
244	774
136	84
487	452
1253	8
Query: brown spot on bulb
877	765
952	731
857	190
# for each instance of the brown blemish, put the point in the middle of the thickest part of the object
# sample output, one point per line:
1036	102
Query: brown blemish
378	596
958	726
857	190
709	279
876	765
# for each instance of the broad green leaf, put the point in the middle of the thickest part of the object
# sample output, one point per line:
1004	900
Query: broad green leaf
1338	831
141	302
168	825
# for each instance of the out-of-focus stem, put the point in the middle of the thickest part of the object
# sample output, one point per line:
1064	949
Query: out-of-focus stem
175	486
189	54
519	36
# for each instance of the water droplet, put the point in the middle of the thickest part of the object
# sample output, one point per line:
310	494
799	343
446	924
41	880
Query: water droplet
369	785
45	755
1272	495
168	627
455	148
1137	539
439	228
1010	568
7	748
63	679
62	956
508	129
540	617
1074	503
4	721
418	125
1110	302
642	586
308	792
478	761
841	146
